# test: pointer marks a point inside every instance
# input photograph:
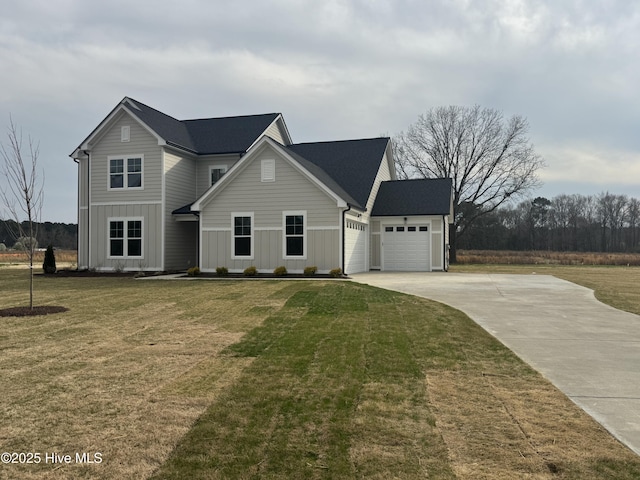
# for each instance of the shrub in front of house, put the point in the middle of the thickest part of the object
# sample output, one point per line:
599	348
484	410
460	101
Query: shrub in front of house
193	271
222	271
310	271
251	271
49	264
335	273
280	271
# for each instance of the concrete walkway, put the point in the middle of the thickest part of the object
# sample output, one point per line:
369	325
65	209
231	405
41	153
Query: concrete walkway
587	349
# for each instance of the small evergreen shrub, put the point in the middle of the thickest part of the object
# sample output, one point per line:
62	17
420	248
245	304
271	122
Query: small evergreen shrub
280	271
222	271
310	271
193	271
49	264
335	273
250	271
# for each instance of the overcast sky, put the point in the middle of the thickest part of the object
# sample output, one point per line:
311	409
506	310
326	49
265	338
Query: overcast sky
335	70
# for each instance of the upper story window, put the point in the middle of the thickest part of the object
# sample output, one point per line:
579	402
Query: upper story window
126	172
216	172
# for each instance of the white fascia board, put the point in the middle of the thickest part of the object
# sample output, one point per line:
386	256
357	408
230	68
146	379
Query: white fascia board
339	200
226	178
286	130
120	108
252	152
287	139
161	141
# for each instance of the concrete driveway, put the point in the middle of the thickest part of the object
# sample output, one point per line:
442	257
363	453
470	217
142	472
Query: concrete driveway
587	349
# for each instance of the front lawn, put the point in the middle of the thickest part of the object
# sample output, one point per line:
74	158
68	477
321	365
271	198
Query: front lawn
277	379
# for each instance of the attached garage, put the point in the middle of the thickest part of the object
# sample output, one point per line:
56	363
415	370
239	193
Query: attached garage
406	248
413	218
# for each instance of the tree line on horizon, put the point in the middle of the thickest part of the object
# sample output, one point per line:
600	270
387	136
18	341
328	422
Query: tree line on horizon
566	223
58	235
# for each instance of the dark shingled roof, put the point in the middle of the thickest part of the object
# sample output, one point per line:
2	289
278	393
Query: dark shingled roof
205	136
352	165
430	196
185	210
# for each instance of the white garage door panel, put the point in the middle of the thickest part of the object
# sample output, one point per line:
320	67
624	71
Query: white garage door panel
406	248
355	249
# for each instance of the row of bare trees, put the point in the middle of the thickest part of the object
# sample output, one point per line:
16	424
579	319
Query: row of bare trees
595	223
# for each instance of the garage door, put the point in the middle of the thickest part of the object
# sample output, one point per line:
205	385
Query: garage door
355	247
406	248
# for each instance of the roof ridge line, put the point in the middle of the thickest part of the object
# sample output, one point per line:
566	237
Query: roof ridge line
230	116
343	141
147	106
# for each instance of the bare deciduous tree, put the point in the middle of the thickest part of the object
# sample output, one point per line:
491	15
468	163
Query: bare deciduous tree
490	160
22	192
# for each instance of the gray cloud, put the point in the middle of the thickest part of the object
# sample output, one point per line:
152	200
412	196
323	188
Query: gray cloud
335	69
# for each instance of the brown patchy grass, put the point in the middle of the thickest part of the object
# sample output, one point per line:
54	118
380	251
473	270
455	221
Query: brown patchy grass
63	258
506	427
542	257
270	379
125	372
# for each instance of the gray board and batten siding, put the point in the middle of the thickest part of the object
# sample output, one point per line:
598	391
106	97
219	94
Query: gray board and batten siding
267	202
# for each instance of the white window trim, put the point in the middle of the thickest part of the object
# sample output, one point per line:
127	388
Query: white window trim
125	159
286	214
233	236
217	167
268	170
125	133
125	247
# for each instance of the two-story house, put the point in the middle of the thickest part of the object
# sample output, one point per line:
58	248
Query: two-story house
160	194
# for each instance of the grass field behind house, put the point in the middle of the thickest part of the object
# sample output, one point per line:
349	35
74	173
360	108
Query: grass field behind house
64	258
618	286
543	257
277	379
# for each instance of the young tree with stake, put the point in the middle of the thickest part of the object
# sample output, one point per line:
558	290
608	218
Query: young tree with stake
22	191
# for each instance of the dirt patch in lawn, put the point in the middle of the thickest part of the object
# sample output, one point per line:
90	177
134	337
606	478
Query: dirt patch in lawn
29	312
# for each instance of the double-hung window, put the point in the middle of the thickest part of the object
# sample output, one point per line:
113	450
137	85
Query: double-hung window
125	172
216	172
242	230
295	235
125	237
